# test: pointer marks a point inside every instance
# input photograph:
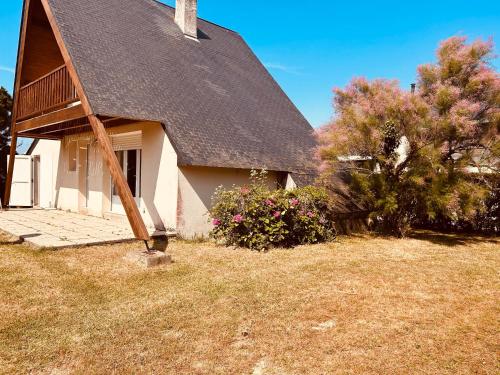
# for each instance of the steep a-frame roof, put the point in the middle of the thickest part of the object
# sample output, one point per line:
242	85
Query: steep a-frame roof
219	104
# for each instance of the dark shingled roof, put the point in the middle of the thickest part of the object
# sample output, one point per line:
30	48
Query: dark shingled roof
219	104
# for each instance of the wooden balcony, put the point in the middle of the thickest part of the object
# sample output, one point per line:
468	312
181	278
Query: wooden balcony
52	92
49	108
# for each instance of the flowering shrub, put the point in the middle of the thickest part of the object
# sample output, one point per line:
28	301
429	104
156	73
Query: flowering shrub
259	218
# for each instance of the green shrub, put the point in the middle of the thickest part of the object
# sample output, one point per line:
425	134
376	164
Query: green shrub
258	218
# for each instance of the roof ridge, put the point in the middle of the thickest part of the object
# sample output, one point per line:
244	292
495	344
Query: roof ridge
202	19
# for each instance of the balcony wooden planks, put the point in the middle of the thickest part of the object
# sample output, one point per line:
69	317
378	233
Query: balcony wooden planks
53	91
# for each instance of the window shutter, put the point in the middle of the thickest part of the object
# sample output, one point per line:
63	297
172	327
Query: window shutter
127	141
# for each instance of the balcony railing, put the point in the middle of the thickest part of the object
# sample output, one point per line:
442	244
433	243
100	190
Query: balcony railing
53	91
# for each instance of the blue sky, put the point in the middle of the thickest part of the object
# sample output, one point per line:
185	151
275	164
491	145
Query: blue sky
311	47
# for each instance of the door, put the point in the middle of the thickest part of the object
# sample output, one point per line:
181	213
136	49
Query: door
130	161
22	182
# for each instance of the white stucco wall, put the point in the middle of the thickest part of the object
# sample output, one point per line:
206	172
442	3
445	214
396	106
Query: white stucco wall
49	159
159	177
172	197
96	176
196	188
290	183
66	182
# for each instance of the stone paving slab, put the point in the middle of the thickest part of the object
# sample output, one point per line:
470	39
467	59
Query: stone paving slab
56	228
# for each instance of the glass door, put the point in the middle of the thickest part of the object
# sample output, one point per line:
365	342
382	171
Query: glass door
130	161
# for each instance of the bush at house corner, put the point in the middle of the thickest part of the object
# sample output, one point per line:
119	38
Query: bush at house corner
258	218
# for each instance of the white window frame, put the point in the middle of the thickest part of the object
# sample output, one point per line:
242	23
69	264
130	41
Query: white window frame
116	204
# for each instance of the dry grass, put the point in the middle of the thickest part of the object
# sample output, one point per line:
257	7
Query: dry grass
429	304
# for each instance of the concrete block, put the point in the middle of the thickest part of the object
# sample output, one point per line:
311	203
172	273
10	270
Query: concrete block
148	259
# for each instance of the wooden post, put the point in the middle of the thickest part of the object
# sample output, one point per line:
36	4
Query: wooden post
10	169
128	201
19	66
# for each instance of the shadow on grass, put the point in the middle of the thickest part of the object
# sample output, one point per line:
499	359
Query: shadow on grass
451	239
7	239
11	242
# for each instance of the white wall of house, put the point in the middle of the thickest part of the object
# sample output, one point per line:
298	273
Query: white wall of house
196	188
67	181
48	151
159	176
290	184
172	197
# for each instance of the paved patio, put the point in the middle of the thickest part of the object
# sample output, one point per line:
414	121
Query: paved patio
55	228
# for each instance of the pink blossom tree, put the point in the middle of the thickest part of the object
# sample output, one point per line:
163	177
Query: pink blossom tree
463	90
408	154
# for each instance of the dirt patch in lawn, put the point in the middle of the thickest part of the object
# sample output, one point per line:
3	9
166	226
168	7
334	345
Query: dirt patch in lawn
428	304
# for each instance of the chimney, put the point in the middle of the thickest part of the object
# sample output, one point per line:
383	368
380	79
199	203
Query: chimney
186	16
413	87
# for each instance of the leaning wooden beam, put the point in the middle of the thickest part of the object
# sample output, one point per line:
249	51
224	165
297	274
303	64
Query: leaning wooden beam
17	83
128	201
129	204
66	114
10	170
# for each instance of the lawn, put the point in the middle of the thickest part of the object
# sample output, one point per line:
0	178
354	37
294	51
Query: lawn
428	304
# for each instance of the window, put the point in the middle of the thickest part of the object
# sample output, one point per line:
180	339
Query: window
130	161
72	149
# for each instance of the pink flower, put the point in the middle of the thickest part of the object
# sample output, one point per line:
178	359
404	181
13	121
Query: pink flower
310	214
216	222
269	202
294	202
238	218
277	214
245	190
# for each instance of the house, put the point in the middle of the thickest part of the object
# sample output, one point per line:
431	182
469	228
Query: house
148	109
